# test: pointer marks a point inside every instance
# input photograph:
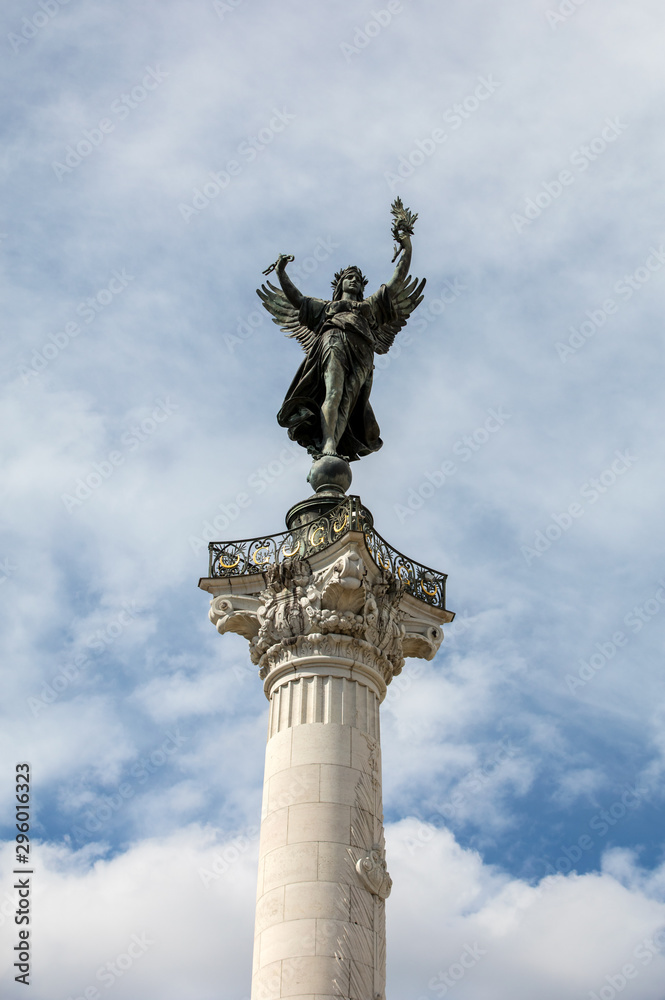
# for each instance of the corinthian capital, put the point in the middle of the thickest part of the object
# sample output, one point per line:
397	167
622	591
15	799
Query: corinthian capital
343	597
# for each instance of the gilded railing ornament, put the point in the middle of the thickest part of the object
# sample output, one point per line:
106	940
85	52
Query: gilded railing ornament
250	556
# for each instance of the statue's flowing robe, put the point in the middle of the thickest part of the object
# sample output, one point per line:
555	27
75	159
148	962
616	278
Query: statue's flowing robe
346	330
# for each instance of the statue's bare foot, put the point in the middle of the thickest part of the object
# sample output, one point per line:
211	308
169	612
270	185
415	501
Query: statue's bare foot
329	449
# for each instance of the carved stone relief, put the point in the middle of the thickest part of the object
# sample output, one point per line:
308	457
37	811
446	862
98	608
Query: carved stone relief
340	600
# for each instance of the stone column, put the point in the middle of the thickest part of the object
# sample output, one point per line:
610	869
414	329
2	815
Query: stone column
328	634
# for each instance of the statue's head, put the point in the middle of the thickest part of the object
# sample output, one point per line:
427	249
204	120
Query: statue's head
354	280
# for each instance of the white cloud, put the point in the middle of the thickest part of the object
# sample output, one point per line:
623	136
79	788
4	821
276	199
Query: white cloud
188	898
194	938
557	939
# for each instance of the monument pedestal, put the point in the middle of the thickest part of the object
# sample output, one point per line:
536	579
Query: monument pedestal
330	611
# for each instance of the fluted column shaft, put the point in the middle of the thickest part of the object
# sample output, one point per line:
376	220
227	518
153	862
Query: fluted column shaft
319	931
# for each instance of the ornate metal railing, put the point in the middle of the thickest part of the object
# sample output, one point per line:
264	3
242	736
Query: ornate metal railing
251	556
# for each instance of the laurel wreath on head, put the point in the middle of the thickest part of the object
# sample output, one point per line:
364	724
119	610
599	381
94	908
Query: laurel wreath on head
343	273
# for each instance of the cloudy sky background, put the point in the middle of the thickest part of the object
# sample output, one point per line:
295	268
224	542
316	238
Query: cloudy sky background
522	780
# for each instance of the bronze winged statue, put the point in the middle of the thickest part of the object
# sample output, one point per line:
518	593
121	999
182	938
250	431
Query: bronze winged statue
327	408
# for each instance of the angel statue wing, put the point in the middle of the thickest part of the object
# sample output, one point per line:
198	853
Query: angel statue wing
286	315
405	296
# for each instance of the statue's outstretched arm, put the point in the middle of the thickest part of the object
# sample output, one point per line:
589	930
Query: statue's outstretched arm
293	294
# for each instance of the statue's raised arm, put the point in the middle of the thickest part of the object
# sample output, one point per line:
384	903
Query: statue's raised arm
285	305
327	408
294	296
403	292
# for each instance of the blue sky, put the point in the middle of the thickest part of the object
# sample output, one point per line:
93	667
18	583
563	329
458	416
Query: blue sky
521	411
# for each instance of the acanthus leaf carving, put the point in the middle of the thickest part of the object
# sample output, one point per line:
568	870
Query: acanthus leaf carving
383	621
342	599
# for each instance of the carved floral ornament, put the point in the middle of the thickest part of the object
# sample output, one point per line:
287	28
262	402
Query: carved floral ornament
302	612
374	873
